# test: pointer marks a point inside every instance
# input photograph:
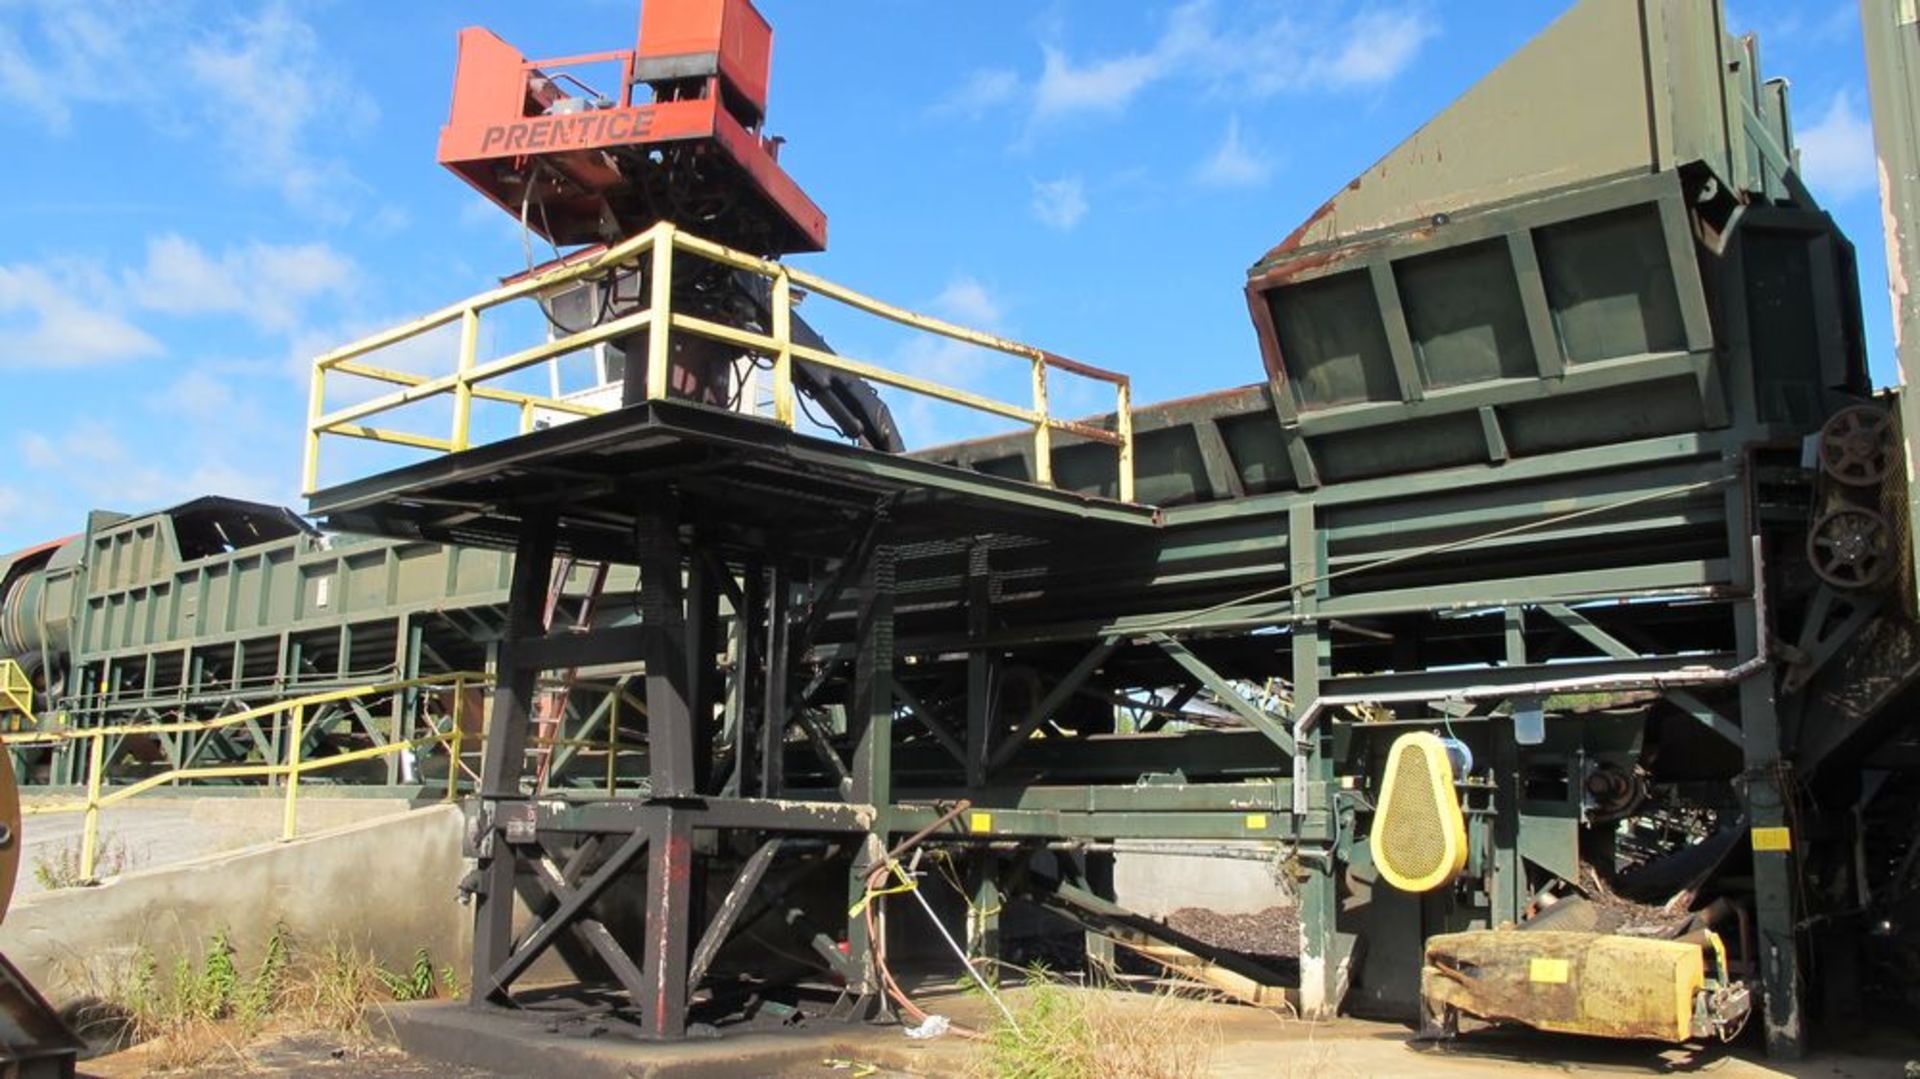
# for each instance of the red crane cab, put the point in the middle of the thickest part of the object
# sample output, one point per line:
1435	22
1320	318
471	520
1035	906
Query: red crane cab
678	139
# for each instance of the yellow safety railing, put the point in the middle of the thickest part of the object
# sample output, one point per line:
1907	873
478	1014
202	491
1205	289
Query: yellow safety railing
658	247
295	764
16	691
290	769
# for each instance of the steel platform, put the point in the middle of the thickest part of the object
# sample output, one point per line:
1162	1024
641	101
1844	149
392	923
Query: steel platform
750	482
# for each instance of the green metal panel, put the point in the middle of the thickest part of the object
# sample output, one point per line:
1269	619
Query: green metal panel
1610	285
1465	315
1331	331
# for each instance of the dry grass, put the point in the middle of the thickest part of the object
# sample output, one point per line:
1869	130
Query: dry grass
204	1016
1065	1031
333	991
60	867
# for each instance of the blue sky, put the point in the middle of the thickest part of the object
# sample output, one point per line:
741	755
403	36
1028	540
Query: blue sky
204	194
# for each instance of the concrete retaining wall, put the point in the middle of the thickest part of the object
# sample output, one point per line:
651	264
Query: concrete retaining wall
1157	883
387	885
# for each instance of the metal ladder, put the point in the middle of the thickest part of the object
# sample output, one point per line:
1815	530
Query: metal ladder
550	703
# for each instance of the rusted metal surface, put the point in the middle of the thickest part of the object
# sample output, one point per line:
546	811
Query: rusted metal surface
1569	982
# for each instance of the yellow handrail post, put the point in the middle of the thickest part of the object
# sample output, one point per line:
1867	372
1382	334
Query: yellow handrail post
1123	426
660	304
90	834
463	389
453	757
783	358
292	824
1042	429
316	408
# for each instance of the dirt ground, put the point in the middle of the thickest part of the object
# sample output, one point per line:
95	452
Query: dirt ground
291	1054
1250	1043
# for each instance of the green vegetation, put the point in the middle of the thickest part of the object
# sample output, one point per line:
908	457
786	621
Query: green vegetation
61	868
1065	1031
208	1010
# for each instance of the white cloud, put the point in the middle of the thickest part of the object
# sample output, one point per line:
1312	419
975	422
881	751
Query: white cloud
479	210
1378	45
199	394
1060	204
271	85
1103	85
270	285
390	219
93	467
966	301
48	319
38	450
71	313
55	55
1258	49
1233	164
25	84
263	85
923	421
985	89
88	445
1837	153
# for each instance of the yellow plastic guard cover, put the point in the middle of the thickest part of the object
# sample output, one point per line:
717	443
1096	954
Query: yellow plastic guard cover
1419	834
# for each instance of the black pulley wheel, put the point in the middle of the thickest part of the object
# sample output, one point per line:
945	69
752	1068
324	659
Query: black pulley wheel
1856	446
1851	548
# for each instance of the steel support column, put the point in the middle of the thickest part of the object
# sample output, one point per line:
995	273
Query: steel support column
773	705
1322	953
980	665
870	723
673	736
1509	874
505	754
983	912
663	608
1773	856
666	957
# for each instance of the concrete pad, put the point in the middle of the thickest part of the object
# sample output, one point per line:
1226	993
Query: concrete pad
1252	1044
532	1044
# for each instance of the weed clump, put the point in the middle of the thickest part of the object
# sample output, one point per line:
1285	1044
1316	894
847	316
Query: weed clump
207	1011
60	868
1065	1031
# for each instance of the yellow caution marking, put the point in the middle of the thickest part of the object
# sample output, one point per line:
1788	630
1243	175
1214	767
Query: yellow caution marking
1547	971
1773	839
979	822
1256	822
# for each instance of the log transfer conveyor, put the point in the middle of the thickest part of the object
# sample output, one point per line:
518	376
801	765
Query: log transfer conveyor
1545	614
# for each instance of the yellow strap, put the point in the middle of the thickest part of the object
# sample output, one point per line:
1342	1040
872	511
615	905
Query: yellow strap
907	884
